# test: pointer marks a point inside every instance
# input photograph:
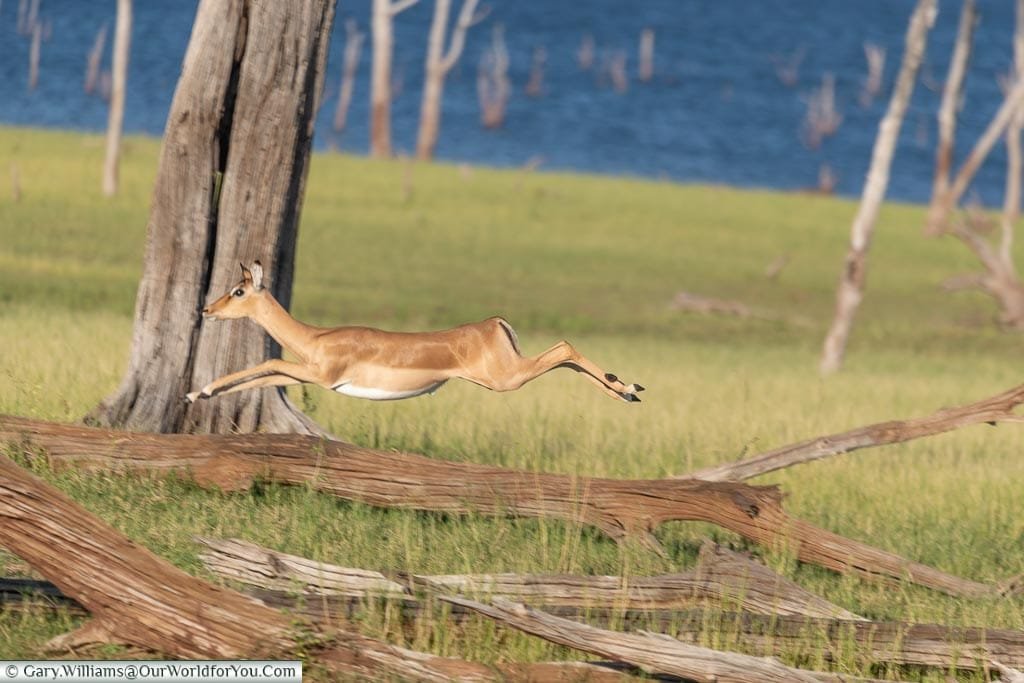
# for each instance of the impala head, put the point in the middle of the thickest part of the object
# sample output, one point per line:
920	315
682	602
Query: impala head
240	300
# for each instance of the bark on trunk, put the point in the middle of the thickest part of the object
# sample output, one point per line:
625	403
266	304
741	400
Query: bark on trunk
620	508
851	281
998	408
134	597
722	577
119	82
952	100
439	63
653	653
229	188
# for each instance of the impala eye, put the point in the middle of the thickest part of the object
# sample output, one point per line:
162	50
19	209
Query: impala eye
238	292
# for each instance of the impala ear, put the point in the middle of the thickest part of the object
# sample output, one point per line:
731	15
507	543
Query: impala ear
257	275
246	275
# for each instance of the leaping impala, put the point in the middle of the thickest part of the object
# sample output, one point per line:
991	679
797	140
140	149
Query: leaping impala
370	363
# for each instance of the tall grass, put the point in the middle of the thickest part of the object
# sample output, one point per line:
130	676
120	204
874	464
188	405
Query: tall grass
596	260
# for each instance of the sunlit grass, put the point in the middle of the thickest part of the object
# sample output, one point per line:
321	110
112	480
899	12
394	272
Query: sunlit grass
595	260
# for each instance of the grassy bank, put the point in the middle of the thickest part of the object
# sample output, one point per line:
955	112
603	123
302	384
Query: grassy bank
596	260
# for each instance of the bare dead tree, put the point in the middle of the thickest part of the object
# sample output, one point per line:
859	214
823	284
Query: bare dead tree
32	17
115	120
92	64
492	84
535	84
22	17
585	52
382	91
645	55
952	102
875	55
850	291
33	55
353	48
439	63
826	179
787	67
823	118
251	111
615	67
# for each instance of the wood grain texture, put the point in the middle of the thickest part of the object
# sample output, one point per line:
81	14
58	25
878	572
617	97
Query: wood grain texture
620	508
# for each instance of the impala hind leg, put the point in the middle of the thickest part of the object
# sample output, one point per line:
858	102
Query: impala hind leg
271	373
564	355
516	371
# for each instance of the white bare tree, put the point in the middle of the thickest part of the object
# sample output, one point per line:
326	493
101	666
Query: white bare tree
115	120
381	89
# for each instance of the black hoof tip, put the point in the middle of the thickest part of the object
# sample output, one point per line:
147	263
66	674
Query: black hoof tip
632	398
610	377
638	388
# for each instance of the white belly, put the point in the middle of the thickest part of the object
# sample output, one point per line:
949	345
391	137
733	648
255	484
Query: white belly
384	394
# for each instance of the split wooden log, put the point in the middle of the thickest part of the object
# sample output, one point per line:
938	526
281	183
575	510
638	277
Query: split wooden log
622	509
722	578
992	410
651	652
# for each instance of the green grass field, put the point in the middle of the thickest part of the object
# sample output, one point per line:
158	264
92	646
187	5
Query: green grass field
598	261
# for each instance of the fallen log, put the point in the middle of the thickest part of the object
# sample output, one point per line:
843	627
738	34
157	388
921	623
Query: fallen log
992	410
722	578
138	599
651	652
620	508
329	593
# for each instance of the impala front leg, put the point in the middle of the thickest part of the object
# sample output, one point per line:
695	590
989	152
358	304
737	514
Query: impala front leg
271	373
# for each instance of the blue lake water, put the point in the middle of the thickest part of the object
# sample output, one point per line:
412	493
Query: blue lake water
715	110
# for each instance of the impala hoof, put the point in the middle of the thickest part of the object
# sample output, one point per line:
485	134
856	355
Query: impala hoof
637	388
192	397
631	398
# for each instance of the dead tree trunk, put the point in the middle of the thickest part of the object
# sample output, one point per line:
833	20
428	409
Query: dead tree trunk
585	52
115	120
381	91
1001	280
136	598
33	55
353	48
622	509
852	279
439	63
875	56
722	577
229	188
492	84
645	55
654	653
998	408
535	84
109	573
92	68
952	101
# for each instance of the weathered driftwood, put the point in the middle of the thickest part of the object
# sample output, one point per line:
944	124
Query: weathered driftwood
138	599
620	508
651	652
722	577
998	408
775	621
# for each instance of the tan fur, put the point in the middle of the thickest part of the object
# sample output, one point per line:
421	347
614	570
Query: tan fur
385	363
